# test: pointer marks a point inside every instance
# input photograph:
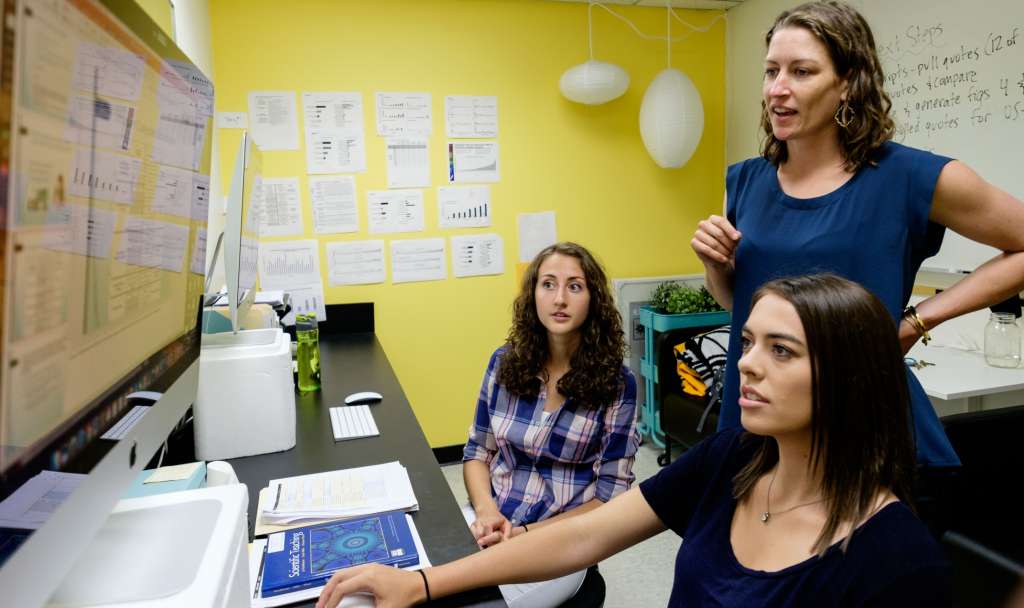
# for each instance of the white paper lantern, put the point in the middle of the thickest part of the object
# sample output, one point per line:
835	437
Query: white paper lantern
594	82
671	119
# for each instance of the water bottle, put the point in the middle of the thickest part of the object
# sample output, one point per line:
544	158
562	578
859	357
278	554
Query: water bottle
308	353
1002	340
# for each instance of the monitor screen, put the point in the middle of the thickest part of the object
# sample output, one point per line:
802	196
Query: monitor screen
241	228
105	142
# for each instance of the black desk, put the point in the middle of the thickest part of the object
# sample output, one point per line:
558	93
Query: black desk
351	363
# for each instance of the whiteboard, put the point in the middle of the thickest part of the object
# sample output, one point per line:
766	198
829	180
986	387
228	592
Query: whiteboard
955	73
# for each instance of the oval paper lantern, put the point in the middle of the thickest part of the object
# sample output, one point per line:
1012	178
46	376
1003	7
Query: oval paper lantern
671	119
594	82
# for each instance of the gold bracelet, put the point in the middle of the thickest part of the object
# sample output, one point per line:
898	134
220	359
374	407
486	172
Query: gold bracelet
910	313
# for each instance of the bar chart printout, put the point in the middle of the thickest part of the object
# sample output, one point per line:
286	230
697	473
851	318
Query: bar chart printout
286	264
468	207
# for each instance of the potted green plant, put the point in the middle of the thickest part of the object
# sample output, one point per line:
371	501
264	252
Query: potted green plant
675	305
674	298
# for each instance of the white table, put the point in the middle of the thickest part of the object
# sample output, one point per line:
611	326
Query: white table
961	381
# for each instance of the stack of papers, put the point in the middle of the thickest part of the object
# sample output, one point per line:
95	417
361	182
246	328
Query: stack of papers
32	504
339	494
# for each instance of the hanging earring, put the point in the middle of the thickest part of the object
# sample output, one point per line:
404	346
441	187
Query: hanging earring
844	114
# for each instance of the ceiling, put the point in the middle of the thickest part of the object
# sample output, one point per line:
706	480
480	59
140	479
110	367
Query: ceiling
696	4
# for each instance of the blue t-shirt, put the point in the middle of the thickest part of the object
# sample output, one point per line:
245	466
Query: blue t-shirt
892	560
874	230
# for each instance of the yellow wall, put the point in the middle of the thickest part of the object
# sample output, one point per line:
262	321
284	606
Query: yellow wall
588	164
159	11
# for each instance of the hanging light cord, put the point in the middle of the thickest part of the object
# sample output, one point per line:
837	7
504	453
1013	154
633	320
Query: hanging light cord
668	32
590	28
636	30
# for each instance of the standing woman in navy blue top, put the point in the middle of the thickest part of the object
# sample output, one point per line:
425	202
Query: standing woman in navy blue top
832	193
806	508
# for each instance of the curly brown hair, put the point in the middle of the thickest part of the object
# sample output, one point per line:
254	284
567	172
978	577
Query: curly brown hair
594	376
851	46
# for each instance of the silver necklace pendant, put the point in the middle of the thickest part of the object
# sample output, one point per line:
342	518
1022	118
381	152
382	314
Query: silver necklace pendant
765	516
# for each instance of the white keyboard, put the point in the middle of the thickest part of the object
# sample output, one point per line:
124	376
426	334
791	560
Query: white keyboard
126	423
353	422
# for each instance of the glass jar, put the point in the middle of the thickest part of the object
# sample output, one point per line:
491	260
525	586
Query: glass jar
1002	340
307	355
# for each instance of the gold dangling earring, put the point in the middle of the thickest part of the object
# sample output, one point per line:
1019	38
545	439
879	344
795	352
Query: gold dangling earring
844	114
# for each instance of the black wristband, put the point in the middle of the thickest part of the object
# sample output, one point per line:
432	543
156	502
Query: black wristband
525	529
425	585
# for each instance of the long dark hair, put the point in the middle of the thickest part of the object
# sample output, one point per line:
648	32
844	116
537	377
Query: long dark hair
851	45
860	415
594	376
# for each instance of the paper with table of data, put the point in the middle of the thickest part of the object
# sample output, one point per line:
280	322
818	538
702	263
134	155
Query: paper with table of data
408	162
273	120
333	198
280	207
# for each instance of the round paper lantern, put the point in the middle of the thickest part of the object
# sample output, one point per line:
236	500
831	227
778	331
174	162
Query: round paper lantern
671	119
594	82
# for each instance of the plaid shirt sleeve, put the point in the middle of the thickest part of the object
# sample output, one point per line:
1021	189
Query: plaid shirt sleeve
481	444
620	442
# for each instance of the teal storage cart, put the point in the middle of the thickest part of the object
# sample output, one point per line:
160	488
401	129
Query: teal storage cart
654	322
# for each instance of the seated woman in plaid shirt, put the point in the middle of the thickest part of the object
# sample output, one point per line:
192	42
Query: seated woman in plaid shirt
554	434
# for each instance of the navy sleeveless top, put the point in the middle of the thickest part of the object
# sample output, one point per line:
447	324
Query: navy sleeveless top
874	230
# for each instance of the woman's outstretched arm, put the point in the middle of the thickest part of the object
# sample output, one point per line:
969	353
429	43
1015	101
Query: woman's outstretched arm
555	550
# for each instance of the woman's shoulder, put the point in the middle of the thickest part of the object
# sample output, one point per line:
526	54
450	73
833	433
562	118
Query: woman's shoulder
895	541
755	165
892	153
496	358
893	555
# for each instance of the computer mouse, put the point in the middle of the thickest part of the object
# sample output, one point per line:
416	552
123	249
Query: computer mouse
363	397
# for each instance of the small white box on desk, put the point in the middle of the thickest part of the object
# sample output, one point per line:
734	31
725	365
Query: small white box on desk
246	399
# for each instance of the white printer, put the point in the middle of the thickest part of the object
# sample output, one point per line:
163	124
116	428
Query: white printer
246	399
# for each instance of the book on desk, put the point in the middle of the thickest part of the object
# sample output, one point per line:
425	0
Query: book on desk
306	557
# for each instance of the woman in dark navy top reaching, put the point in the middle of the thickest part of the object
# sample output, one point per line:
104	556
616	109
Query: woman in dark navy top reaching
805	507
831	192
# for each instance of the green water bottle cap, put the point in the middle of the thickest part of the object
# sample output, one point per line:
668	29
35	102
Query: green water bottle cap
305	322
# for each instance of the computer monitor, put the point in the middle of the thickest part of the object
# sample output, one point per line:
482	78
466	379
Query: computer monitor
241	229
105	130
